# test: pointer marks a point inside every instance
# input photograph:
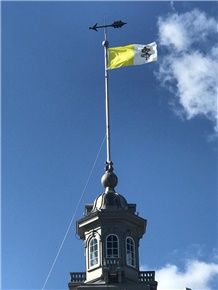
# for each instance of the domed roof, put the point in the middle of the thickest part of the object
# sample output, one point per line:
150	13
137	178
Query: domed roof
108	200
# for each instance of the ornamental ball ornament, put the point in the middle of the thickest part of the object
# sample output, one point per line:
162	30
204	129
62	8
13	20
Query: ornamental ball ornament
105	43
109	179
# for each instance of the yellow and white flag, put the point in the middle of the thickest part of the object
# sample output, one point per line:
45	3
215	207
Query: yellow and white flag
132	54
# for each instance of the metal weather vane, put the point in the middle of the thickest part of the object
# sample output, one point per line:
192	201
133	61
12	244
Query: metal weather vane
115	24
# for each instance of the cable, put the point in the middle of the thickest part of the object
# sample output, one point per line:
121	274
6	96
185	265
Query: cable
65	236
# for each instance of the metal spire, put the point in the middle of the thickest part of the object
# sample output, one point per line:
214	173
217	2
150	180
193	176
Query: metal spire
105	43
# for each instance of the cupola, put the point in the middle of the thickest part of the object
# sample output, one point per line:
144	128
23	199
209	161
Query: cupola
111	230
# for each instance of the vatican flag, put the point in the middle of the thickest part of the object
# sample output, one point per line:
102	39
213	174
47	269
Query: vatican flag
132	54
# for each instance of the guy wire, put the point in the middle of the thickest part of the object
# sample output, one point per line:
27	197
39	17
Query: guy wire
72	219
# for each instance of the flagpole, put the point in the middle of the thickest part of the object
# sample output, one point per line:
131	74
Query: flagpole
107	108
115	24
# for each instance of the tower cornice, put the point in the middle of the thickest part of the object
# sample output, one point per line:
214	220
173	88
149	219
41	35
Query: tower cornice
106	218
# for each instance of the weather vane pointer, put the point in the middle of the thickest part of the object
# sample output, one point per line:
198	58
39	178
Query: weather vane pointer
115	24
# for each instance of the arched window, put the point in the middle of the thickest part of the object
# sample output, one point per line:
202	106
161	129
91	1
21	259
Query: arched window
130	252
93	252
112	248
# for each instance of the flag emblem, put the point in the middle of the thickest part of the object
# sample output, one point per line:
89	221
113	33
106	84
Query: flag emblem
145	52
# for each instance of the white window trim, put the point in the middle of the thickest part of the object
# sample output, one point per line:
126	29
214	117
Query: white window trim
89	252
134	253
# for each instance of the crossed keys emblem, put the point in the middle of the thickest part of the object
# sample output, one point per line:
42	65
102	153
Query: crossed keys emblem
145	52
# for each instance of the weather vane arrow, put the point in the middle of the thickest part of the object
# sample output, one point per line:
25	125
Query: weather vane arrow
115	24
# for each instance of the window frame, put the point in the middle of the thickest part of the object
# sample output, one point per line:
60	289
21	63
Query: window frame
131	252
112	248
93	251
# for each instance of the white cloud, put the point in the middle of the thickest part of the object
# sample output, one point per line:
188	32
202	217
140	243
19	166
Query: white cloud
172	33
190	67
197	275
172	6
197	270
196	77
182	30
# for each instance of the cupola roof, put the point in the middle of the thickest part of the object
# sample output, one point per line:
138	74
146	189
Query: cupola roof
110	198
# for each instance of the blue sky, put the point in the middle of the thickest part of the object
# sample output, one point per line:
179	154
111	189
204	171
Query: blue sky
163	136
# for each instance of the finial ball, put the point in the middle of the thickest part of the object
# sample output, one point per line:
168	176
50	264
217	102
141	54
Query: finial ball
105	43
109	179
